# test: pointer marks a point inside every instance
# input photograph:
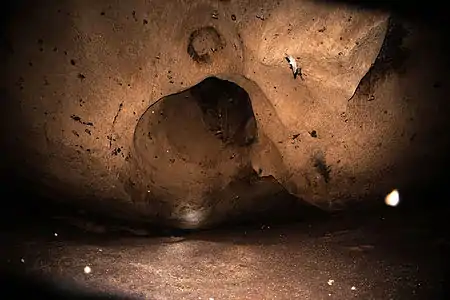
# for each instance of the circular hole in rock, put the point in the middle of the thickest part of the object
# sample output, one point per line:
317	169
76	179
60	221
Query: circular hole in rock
203	42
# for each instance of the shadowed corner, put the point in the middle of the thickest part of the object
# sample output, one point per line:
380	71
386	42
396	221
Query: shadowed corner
433	12
20	286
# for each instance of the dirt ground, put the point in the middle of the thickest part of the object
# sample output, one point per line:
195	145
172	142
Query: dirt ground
385	254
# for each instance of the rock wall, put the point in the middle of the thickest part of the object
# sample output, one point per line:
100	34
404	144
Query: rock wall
98	111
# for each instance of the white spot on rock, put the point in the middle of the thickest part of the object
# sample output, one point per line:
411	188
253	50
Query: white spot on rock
193	217
393	198
292	64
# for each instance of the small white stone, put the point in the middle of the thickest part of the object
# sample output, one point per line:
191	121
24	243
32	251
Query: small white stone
393	198
330	282
87	270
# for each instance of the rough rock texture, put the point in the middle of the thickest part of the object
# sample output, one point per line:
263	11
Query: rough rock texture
96	105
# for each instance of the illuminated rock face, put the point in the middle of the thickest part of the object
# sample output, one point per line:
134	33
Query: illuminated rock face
98	106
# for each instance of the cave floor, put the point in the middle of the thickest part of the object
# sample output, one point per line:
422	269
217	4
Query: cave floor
387	254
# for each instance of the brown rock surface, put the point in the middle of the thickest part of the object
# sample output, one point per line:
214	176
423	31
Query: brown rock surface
97	105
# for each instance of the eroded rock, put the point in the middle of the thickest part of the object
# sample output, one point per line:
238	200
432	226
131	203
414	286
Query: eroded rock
86	94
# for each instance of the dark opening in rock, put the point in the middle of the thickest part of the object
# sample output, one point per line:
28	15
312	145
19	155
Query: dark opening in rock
197	124
226	111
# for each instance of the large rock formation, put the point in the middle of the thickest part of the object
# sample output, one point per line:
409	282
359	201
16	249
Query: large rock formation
99	110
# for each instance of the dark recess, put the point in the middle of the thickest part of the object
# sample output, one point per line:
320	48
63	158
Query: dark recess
432	12
227	111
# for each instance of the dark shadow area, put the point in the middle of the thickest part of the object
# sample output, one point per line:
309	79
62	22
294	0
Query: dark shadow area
227	111
19	286
38	215
430	12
